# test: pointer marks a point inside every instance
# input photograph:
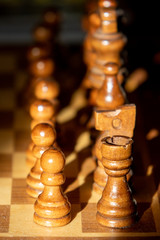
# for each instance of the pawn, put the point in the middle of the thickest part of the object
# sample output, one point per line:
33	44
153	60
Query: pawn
43	136
116	208
42	67
51	18
47	90
41	111
42	34
52	208
37	51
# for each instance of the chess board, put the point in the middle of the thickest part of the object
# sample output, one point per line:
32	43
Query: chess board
16	207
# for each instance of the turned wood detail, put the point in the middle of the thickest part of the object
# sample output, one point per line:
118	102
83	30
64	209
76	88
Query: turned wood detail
109	96
43	136
52	208
42	67
120	121
46	89
116	208
106	43
37	51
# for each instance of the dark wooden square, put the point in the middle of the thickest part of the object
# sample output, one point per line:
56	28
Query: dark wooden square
4	218
6	119
21	140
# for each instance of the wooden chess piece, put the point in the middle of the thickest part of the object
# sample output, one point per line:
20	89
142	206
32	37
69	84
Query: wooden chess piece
116	208
43	136
46	89
111	94
43	85
109	97
37	51
42	67
42	34
41	111
120	121
89	55
51	18
52	208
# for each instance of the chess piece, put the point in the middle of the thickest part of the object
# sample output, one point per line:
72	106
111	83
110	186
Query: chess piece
106	41
111	94
42	34
89	55
52	208
116	208
37	51
41	111
43	85
43	136
42	67
51	18
46	89
120	121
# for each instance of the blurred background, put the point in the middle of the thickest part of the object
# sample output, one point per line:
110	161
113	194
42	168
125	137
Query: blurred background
139	21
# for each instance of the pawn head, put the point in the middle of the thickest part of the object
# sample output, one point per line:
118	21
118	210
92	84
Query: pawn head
107	3
43	135
41	110
42	33
37	51
46	90
53	160
42	67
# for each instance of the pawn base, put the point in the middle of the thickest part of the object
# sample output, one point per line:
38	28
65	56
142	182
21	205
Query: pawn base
52	222
116	222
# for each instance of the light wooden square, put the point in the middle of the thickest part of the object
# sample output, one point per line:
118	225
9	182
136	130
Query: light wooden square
5	191
22	224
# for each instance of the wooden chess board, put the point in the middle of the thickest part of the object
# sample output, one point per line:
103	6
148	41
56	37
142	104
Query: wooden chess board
16	207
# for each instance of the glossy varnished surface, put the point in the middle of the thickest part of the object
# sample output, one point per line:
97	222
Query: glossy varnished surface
52	208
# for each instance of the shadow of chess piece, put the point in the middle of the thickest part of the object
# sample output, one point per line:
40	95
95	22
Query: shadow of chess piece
116	208
43	136
52	208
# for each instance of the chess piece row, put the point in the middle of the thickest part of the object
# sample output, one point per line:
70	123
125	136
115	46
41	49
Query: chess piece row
115	120
116	208
44	156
